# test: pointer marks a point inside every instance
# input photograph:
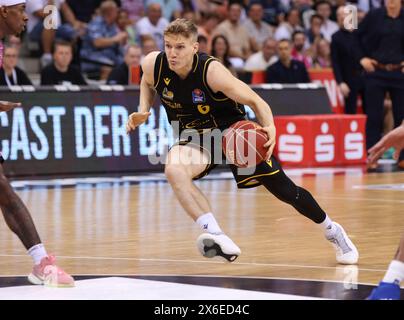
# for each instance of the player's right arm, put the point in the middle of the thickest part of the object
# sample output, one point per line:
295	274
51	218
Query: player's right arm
147	93
394	138
7	106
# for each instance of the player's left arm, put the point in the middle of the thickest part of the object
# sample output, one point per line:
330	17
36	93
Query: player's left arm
220	79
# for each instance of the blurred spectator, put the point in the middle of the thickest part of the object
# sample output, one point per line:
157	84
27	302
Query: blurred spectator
10	74
120	74
256	27
189	5
203	44
235	33
14	41
206	29
346	67
299	52
171	8
61	71
149	45
46	35
153	25
380	50
366	5
125	25
292	24
102	44
287	70
261	60
134	8
189	15
220	50
272	8
314	32
84	10
328	28
322	58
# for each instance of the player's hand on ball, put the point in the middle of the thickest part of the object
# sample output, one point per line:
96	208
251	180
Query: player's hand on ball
7	106
271	133
135	120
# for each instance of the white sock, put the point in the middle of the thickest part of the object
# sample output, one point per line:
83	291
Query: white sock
395	272
37	252
327	225
208	223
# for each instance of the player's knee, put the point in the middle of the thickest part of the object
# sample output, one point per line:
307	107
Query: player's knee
175	173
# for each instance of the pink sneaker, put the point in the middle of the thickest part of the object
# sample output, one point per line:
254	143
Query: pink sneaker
49	274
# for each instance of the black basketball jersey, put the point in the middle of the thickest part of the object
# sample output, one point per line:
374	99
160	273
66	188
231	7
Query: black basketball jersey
190	101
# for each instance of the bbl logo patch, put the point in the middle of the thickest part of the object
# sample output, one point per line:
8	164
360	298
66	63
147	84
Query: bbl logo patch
198	96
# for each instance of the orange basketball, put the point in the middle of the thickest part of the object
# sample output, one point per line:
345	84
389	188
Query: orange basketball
243	144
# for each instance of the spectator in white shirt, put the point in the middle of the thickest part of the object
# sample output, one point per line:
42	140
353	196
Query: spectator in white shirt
292	24
328	28
256	27
153	25
261	60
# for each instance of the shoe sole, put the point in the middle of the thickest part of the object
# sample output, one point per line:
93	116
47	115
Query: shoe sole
211	249
37	281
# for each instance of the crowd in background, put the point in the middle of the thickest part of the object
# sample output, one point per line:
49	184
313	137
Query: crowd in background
106	40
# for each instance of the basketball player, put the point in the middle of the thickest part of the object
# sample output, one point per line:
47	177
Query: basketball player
200	93
12	22
389	287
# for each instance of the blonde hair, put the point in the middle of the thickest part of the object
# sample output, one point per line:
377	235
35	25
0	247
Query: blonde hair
183	27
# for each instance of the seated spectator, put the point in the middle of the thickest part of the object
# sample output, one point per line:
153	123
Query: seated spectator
298	51
61	71
272	10
287	70
153	25
203	44
258	29
120	74
261	60
207	28
171	8
46	36
103	43
314	32
329	27
148	45
220	50
134	8
292	24
126	25
235	33
322	59
10	74
84	10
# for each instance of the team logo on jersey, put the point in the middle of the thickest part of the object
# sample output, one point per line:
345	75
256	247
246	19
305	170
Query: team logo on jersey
167	81
198	96
168	94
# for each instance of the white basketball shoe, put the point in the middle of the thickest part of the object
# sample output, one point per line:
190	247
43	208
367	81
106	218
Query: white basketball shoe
346	252
217	245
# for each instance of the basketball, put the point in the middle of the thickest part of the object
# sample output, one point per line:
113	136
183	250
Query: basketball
243	144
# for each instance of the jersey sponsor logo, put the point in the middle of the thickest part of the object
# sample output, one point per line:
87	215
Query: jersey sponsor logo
167	81
173	105
168	94
198	96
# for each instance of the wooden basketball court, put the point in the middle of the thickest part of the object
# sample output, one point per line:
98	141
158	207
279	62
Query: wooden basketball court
140	230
